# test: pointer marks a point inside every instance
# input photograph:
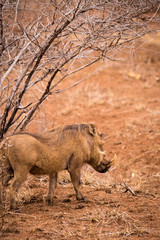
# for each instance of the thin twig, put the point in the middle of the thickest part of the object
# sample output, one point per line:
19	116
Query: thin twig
130	190
15	213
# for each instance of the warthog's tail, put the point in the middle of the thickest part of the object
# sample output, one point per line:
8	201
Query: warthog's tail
5	166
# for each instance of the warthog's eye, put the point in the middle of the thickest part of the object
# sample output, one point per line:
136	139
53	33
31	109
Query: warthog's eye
101	135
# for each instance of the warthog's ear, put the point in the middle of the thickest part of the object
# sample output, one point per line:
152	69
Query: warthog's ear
92	129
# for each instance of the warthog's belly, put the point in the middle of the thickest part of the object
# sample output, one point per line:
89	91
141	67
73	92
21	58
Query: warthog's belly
37	170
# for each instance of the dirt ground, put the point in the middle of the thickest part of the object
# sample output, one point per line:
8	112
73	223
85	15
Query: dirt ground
123	100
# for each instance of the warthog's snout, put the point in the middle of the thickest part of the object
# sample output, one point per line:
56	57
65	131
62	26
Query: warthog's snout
105	165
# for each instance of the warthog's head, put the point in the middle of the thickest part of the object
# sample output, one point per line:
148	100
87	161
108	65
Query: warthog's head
97	156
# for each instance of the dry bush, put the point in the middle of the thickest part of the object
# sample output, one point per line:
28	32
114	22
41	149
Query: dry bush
41	45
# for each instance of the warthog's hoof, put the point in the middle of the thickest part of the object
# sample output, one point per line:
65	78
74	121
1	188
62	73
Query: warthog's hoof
80	198
49	200
12	205
14	208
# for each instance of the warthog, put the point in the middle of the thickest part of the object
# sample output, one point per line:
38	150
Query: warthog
66	147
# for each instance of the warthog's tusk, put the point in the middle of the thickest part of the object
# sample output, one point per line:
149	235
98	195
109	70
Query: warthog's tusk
112	160
102	152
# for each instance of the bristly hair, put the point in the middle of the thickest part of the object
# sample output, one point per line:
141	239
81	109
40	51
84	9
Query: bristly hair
56	135
76	127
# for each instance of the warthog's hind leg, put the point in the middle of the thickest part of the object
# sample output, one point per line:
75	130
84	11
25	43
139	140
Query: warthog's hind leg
7	175
19	178
52	186
75	177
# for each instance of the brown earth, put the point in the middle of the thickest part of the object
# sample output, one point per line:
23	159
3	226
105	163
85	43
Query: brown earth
123	100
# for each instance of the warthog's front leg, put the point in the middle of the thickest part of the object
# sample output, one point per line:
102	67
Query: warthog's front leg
52	185
75	177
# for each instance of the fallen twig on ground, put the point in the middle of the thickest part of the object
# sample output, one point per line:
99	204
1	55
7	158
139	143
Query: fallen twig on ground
130	190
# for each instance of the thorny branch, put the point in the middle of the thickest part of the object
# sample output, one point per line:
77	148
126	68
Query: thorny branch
42	45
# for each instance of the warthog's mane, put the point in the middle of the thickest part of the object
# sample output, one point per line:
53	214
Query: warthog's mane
73	127
57	134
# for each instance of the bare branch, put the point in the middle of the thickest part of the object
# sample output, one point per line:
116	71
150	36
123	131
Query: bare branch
41	45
